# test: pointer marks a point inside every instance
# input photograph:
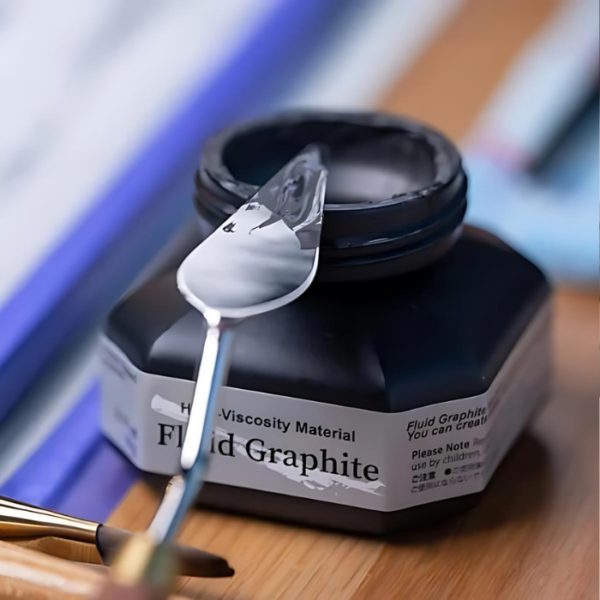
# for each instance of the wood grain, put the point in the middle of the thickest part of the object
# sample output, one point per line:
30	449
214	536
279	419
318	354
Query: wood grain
534	535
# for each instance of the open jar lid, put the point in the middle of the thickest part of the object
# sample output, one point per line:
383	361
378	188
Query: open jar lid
396	190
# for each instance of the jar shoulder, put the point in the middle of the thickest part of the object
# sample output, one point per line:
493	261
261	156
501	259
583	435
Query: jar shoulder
390	345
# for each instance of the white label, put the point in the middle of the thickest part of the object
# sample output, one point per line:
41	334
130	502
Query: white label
360	458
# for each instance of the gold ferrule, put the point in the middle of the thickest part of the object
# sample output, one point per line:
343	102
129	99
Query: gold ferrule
19	520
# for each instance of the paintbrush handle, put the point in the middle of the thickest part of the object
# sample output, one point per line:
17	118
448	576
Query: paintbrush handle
73	550
191	561
29	575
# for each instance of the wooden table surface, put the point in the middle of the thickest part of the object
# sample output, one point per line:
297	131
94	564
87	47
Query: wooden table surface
535	533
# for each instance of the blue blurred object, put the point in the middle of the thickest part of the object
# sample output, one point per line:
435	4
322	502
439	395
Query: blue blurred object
76	470
571	164
549	226
547	212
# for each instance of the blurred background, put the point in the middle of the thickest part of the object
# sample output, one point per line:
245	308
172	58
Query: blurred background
104	108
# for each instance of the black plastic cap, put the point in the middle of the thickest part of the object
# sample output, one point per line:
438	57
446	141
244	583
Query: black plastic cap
396	191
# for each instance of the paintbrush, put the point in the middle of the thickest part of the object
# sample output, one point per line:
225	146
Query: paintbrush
87	541
262	258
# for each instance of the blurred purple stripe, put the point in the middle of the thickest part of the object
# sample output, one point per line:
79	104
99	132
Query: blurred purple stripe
98	488
52	465
75	470
236	89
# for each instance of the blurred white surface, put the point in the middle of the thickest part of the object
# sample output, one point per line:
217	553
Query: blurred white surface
82	101
46	404
379	43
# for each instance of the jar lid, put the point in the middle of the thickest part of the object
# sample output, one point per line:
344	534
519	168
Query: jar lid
396	190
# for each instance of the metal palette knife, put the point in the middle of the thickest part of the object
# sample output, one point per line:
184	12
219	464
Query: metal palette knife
262	258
